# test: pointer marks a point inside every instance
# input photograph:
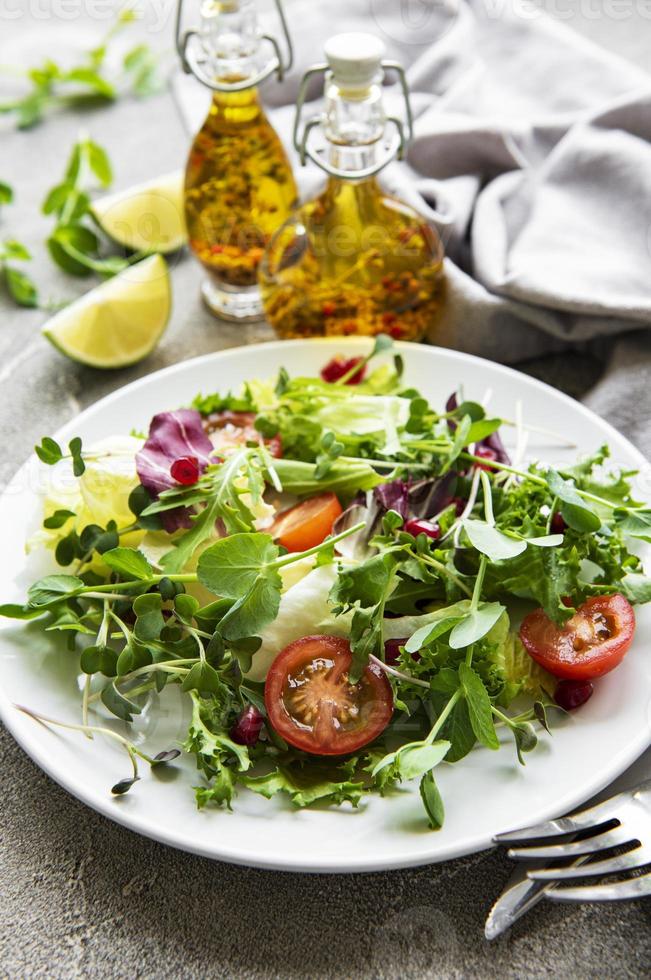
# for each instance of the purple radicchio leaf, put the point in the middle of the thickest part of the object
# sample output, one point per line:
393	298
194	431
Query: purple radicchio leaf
427	498
494	442
393	496
172	435
452	405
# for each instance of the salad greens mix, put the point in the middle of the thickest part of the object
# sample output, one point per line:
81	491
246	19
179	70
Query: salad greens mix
171	573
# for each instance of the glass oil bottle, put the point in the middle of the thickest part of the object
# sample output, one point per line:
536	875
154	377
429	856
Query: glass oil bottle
239	186
355	260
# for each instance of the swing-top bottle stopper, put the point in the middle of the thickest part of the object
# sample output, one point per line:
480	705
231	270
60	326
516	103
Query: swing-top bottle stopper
227	51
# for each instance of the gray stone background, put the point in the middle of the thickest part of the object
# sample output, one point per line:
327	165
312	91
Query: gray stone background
82	897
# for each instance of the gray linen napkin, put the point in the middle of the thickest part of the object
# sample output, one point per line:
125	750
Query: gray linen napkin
532	155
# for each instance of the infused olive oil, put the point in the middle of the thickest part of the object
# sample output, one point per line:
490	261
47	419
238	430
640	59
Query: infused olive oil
239	186
354	260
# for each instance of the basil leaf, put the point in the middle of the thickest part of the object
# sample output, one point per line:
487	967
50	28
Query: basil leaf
479	707
21	287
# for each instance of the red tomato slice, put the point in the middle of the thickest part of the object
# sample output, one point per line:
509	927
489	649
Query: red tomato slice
593	642
232	429
312	704
307	524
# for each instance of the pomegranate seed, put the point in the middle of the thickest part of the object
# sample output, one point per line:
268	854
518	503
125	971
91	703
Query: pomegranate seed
558	524
216	249
572	694
185	470
396	332
392	650
247	728
417	527
338	367
388	319
485	452
328	309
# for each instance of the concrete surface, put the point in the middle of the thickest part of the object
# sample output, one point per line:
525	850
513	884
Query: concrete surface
81	897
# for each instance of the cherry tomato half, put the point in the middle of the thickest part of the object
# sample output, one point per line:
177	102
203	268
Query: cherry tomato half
232	429
312	704
307	524
591	643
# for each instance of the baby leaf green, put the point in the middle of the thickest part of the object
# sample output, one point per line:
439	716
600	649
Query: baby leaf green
493	543
479	706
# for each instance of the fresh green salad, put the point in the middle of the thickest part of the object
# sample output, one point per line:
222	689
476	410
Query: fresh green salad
350	585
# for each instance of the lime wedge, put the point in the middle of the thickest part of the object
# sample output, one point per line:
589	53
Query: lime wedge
118	322
145	218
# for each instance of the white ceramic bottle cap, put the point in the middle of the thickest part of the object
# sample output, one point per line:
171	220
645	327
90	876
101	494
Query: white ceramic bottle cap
355	59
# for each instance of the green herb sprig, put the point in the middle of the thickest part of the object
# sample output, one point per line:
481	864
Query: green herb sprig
53	86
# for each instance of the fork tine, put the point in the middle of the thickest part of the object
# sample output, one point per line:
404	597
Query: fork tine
615	892
600	842
621	862
582	820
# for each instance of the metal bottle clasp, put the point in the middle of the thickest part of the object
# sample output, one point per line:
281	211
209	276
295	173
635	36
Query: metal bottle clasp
395	148
193	58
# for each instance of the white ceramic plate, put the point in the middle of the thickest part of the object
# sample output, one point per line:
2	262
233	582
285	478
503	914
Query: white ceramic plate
488	792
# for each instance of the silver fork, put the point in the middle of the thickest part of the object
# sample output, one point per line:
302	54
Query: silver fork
622	820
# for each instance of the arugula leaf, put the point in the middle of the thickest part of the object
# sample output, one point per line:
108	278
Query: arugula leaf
479	706
6	193
574	509
364	589
215	750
